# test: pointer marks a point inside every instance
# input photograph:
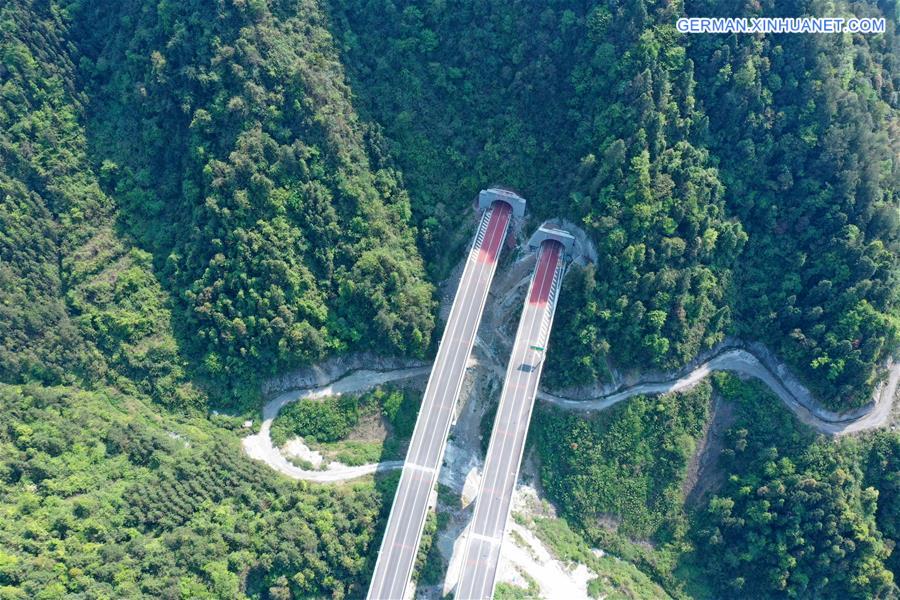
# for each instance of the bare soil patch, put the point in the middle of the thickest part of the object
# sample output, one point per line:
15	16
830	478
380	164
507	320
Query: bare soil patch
372	427
704	474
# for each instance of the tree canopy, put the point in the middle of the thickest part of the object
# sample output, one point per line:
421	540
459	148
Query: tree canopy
196	196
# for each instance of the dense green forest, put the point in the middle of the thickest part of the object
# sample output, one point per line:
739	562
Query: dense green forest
755	194
215	156
104	498
519	92
196	196
247	248
252	181
78	302
804	131
104	328
797	514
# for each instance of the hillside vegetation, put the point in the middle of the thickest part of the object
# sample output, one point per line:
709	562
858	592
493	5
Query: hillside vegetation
113	482
798	515
103	498
224	144
520	92
731	184
274	221
805	133
197	196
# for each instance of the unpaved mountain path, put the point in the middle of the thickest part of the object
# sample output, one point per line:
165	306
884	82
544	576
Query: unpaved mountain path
359	373
736	360
792	394
549	574
259	445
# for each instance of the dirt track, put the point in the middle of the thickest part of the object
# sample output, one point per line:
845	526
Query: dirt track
340	375
259	446
745	363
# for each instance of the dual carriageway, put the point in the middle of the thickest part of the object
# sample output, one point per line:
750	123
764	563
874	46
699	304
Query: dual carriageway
399	546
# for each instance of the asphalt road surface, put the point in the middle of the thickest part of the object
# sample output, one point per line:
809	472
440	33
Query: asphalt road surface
501	467
400	544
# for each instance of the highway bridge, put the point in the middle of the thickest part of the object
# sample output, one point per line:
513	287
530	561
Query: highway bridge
399	546
504	456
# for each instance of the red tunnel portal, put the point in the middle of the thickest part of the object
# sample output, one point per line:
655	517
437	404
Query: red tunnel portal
493	237
544	272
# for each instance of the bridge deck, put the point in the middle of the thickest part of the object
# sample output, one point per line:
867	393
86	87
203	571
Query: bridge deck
504	456
400	544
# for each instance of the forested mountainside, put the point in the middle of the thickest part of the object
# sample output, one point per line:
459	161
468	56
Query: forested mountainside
589	111
731	184
103	497
103	491
274	220
196	196
805	134
780	512
79	304
242	184
221	150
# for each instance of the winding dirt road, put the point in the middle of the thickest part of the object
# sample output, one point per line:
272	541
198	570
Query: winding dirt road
791	393
259	446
